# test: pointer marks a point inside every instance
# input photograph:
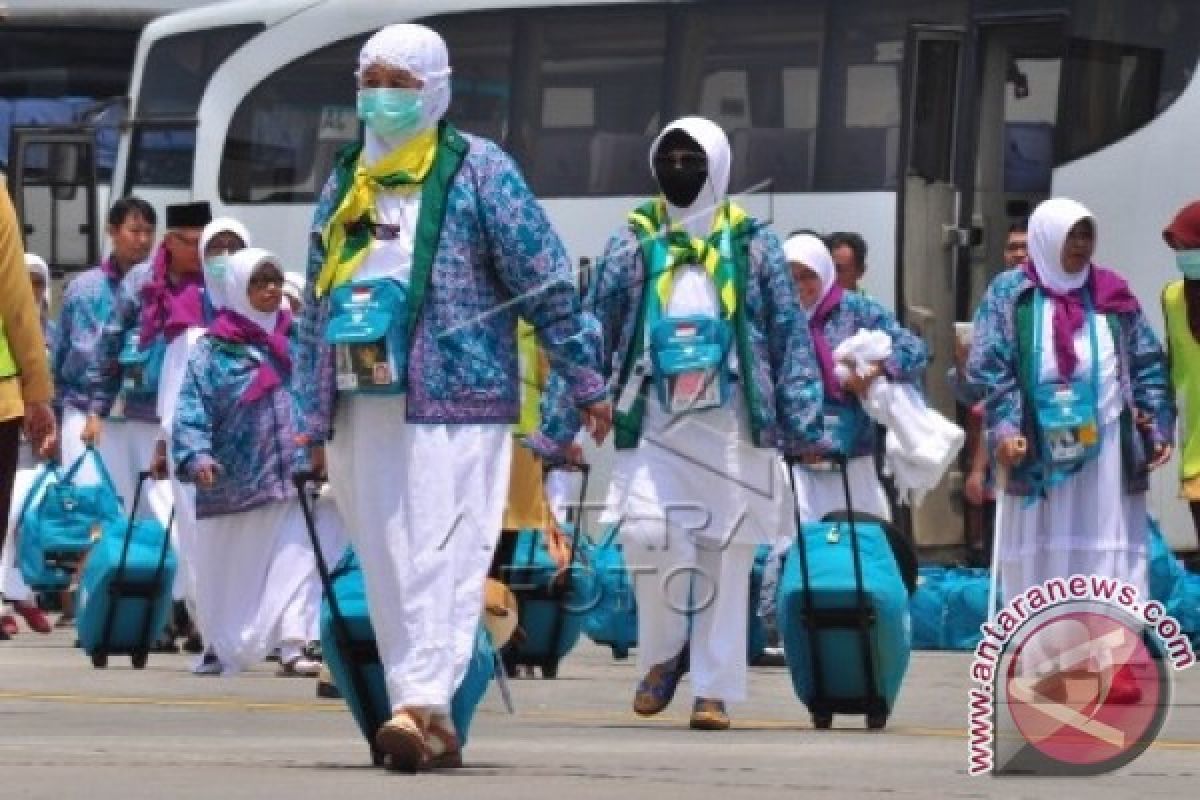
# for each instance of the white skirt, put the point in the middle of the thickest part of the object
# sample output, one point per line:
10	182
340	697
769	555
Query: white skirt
1085	525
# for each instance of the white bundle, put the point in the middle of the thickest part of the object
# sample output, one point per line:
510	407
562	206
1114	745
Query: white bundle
921	444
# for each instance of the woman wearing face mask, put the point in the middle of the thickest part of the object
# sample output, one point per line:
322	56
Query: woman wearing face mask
695	480
1181	309
435	232
834	315
219	240
234	437
1060	333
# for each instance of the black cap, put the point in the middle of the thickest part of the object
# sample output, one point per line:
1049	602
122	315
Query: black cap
189	215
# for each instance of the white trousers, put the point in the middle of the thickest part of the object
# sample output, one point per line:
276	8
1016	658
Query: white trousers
255	582
127	447
12	585
423	507
692	588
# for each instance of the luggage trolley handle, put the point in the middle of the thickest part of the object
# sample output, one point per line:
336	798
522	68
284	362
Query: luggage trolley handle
341	628
118	583
564	590
874	699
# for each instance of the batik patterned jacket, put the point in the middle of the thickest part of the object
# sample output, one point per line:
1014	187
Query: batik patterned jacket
88	305
125	318
786	390
253	444
992	373
909	357
497	258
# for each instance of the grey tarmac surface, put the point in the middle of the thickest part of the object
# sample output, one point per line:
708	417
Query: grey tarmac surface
68	731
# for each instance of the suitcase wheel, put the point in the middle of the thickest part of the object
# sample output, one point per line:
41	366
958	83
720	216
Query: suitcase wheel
99	660
620	653
378	757
550	671
876	722
139	659
822	722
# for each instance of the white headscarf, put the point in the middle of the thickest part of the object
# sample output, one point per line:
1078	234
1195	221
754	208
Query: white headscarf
213	282
1048	228
293	286
697	219
809	250
421	51
37	266
236	284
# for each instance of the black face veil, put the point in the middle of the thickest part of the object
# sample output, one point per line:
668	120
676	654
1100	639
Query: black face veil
681	168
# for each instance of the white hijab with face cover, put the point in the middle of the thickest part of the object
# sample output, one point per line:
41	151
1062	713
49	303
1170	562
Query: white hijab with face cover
235	285
37	266
421	51
1048	228
697	219
213	280
806	249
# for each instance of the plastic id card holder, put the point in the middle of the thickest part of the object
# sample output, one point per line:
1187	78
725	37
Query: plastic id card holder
367	332
689	354
1067	418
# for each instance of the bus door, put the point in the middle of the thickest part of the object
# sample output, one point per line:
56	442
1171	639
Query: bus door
52	177
930	239
978	152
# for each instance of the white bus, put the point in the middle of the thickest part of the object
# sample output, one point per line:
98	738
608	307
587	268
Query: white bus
927	126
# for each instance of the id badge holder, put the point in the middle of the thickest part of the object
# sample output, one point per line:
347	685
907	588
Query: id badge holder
688	357
1067	416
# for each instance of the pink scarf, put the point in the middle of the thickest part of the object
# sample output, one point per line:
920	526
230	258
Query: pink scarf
1110	294
233	327
169	308
816	331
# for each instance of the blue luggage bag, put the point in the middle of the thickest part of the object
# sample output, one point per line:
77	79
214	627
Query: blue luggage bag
349	649
57	530
843	615
125	589
612	620
552	607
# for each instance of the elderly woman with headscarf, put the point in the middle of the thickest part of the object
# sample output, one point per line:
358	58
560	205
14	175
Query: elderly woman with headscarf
835	315
713	370
1078	412
234	436
1181	310
427	246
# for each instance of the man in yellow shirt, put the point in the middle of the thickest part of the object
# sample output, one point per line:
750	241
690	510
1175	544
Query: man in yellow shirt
25	386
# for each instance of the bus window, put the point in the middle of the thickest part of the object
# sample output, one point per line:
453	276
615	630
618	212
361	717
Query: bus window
860	118
174	77
754	70
589	132
285	134
1124	66
39	85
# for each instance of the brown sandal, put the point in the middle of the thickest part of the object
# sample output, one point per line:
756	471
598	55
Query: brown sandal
402	738
442	750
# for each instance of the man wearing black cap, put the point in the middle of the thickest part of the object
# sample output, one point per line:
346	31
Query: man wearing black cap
158	303
158	300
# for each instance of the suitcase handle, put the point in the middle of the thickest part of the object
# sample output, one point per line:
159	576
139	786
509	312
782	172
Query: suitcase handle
303	480
874	699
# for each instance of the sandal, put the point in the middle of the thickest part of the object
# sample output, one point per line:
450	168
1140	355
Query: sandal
709	715
657	689
299	667
402	738
442	750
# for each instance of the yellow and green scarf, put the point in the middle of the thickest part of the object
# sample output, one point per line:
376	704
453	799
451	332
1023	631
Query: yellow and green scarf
347	241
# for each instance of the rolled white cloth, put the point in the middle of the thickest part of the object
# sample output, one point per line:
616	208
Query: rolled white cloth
921	444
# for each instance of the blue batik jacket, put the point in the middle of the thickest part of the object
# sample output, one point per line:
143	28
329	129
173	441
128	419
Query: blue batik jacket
87	307
992	373
253	444
497	258
784	389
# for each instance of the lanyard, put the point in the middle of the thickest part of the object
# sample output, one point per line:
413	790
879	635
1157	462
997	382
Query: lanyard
1039	303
